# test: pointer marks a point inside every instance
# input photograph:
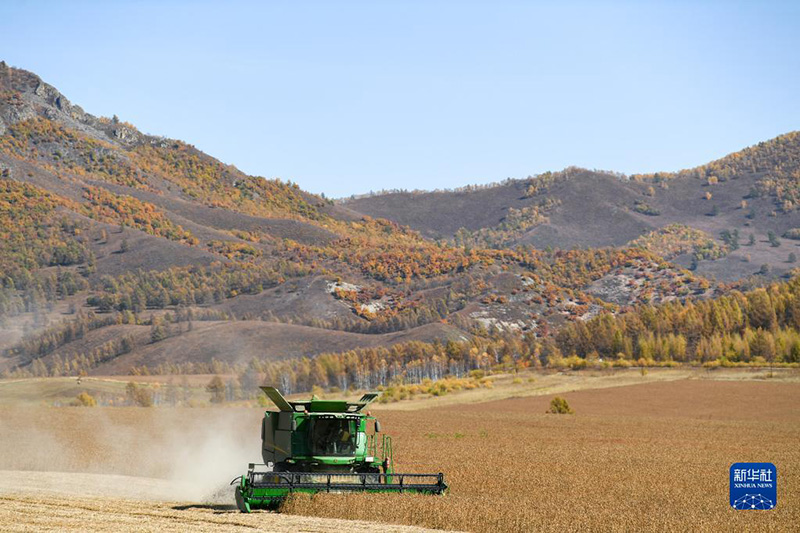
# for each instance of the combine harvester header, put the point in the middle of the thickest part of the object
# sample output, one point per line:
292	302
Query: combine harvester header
323	446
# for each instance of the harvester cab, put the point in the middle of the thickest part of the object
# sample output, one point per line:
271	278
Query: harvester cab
321	435
324	446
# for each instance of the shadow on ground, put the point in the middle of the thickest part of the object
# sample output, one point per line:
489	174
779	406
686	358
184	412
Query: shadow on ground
218	508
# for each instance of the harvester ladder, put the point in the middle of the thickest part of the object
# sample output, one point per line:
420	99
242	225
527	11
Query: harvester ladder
387	451
387	455
382	450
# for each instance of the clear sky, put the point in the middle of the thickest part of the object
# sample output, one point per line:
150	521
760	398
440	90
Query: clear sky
348	97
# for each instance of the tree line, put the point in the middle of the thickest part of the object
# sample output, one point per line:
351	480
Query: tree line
762	323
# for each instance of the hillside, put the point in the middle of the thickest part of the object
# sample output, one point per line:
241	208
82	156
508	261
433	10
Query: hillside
122	252
752	192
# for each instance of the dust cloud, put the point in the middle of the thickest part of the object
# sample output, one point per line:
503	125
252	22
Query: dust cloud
174	454
205	460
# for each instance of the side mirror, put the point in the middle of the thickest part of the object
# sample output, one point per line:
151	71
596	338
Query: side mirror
377	426
294	424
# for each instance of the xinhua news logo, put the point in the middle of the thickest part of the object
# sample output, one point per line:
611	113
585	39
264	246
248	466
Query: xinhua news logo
754	486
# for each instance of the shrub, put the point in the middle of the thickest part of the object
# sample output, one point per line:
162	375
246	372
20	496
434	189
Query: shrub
645	209
85	399
559	406
793	234
575	363
216	388
141	396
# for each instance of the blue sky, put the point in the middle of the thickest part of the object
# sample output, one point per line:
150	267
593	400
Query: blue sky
348	97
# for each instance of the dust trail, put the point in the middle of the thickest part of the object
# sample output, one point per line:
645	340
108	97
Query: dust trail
187	454
206	459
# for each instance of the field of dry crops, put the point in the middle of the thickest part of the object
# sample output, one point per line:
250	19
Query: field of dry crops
647	457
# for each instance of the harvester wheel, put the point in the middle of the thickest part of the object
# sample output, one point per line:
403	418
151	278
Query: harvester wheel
240	503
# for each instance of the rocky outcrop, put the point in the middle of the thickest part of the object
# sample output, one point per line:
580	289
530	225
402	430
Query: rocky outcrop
23	96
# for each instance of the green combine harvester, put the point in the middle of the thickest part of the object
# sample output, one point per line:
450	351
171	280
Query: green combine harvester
323	446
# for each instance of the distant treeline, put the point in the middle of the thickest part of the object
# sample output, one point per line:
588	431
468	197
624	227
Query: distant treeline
758	327
761	326
763	323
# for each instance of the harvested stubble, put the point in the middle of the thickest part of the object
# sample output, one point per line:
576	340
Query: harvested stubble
34	514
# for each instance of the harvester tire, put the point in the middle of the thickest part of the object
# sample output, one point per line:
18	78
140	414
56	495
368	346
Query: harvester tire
240	503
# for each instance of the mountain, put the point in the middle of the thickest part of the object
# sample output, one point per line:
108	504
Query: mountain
122	252
752	192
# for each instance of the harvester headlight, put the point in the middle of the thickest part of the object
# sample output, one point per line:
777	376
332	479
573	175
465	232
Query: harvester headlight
370	459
